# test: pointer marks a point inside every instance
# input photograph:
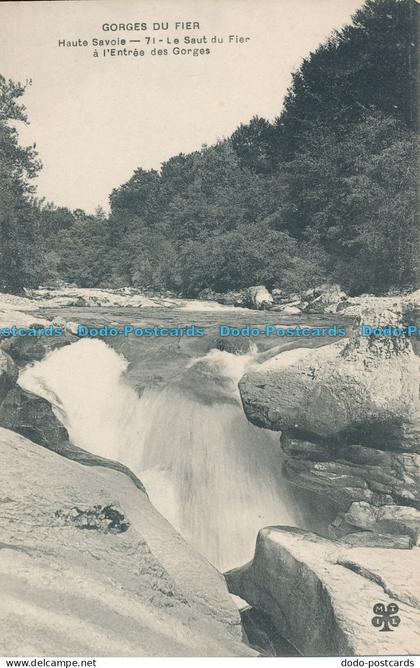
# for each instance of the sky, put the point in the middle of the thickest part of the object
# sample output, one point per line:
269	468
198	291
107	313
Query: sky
96	120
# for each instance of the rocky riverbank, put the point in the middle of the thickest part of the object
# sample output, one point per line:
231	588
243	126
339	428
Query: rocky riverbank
348	414
88	566
322	299
349	417
325	298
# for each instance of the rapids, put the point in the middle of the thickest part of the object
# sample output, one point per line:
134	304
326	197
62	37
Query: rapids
212	474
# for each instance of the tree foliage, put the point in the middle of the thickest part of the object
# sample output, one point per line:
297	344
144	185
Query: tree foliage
19	231
368	66
325	192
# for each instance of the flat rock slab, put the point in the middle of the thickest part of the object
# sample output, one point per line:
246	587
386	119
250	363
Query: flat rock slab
89	567
320	594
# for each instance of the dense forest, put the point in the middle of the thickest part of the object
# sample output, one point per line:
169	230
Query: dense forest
326	192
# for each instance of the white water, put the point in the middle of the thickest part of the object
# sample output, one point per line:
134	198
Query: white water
212	474
197	305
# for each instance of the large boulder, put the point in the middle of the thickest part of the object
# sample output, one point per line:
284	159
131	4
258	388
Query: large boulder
324	299
349	413
8	374
362	390
258	297
320	594
89	567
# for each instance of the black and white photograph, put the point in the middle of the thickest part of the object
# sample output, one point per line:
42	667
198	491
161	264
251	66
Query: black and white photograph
209	332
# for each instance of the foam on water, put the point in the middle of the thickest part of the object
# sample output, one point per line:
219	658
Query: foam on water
212	474
207	306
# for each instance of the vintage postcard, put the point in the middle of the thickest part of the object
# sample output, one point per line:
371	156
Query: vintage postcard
209	332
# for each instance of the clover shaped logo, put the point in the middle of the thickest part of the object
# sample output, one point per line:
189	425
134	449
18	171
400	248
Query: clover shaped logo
385	616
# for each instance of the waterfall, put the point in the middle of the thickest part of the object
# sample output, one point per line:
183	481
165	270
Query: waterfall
212	474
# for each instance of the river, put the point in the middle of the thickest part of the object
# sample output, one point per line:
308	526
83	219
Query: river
169	408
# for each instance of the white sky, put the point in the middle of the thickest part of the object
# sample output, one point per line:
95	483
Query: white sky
96	120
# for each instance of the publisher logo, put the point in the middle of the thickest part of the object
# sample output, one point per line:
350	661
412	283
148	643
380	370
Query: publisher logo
385	617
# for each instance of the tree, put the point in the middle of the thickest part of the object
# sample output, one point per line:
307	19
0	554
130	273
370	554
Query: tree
20	251
369	65
355	197
325	192
255	145
249	255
